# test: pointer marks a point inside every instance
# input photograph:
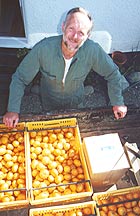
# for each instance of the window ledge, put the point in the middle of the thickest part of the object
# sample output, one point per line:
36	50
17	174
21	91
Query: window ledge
13	42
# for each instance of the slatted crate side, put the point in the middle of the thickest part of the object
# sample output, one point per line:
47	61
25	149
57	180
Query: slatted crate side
118	201
52	124
87	208
59	124
8	205
133	155
83	161
108	194
20	127
28	170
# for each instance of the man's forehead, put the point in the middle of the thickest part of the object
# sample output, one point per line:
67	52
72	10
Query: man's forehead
79	17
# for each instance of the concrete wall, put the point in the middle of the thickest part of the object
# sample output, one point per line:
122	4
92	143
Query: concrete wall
119	18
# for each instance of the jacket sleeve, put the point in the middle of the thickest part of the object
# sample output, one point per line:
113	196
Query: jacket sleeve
104	66
24	74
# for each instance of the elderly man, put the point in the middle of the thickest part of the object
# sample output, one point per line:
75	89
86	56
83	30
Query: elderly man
64	62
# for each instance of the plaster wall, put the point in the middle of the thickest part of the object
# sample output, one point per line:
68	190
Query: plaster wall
119	18
116	23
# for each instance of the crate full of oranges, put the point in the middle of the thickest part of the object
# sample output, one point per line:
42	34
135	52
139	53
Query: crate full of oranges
57	169
119	202
13	179
78	209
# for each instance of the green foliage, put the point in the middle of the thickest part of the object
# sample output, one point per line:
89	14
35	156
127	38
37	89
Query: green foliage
22	52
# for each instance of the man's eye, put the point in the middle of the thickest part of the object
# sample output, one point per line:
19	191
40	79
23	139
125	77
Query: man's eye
70	29
81	34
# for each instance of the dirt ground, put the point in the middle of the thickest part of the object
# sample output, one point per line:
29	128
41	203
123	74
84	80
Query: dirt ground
99	98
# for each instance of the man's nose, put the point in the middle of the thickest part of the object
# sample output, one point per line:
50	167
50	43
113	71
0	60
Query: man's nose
75	35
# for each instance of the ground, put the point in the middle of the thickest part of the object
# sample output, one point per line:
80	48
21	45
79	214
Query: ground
31	102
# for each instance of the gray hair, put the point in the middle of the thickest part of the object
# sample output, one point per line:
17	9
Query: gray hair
81	10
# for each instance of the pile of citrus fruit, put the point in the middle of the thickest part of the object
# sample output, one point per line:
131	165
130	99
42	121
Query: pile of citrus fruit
12	167
55	161
126	204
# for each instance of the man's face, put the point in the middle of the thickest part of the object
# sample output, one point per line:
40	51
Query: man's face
75	31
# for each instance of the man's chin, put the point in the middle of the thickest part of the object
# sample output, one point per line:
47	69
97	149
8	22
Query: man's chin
73	49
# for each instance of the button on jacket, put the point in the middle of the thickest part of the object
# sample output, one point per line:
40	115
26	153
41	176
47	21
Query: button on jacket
46	57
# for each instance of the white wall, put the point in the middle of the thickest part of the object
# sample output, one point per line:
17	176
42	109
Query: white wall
121	19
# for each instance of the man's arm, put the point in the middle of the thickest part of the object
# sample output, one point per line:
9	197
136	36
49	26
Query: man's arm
104	66
24	74
10	119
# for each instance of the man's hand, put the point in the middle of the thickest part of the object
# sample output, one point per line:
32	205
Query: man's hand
10	119
119	111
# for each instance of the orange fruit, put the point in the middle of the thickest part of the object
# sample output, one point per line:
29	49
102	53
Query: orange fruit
112	213
33	134
9	164
67	191
16	175
10	146
45	139
2	151
15	143
21	196
77	163
4	140
54	172
44	173
35	173
67	169
79	187
58	179
46	152
43	195
5	199
4	186
21	169
37	150
131	214
21	139
38	138
67	177
45	160
136	210
73	187
122	211
52	164
60	136
7	157
60	168
2	175
51	178
87	211
69	135
52	138
74	172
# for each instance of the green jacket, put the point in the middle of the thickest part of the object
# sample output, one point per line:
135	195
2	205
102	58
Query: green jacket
46	57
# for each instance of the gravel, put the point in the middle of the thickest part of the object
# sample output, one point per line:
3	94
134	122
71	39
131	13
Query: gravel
98	98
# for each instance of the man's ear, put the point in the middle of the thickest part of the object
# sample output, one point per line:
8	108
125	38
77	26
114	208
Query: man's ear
63	27
89	34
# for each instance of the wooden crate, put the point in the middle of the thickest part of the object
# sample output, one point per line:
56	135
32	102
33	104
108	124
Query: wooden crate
13	178
118	202
87	208
55	191
133	154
